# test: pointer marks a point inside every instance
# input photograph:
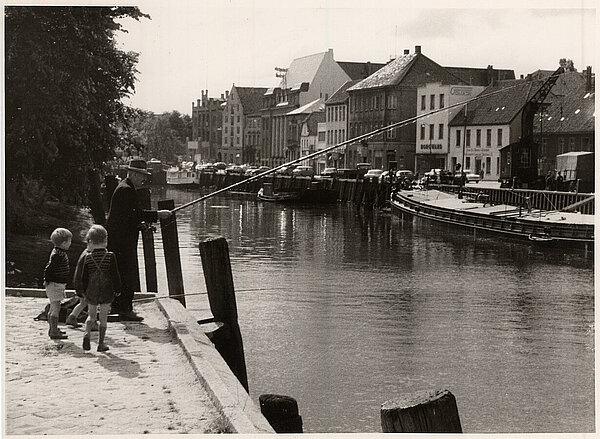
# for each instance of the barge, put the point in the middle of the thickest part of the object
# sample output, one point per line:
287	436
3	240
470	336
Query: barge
533	225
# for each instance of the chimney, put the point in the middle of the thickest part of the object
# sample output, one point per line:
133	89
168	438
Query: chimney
406	51
521	77
222	96
588	79
226	94
368	68
491	75
417	49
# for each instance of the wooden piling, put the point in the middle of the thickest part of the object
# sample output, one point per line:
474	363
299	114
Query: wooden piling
168	228
148	243
281	412
221	297
432	411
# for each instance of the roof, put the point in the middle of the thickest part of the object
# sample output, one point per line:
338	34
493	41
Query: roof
251	98
391	74
316	105
500	108
303	69
313	120
571	106
341	95
480	77
574	154
359	70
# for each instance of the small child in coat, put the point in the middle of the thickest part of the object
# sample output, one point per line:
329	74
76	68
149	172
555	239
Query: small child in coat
56	276
97	279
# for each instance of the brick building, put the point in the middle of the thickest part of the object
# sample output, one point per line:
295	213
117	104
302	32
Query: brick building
206	128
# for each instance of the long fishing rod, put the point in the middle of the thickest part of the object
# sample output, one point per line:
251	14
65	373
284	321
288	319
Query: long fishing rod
353	140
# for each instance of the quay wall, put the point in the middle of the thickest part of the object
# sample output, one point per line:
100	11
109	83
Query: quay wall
373	194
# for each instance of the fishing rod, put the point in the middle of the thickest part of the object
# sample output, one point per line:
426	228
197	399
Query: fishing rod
353	140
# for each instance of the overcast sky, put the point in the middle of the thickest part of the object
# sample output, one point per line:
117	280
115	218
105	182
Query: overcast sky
192	45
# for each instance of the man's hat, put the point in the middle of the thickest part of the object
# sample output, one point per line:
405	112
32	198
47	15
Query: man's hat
138	165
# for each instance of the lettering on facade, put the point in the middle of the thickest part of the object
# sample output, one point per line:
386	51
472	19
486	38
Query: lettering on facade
431	146
461	91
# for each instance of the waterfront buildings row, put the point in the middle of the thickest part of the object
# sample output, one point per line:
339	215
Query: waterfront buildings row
321	102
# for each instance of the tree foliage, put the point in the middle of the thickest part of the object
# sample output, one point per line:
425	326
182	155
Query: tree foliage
162	136
65	80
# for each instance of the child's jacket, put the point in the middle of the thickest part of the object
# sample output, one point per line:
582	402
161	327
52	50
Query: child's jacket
97	276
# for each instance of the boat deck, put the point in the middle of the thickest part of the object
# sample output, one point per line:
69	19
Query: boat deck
445	200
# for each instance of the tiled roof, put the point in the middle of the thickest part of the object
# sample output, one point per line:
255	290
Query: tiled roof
359	70
340	96
391	74
316	105
571	107
303	69
501	107
480	77
251	98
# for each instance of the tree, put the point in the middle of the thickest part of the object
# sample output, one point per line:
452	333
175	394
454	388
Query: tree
65	80
162	136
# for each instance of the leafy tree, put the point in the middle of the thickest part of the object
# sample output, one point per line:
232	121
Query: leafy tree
65	80
162	136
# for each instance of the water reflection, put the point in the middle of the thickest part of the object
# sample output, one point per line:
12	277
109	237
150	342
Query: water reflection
343	311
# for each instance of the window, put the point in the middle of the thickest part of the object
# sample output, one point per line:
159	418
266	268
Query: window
432	102
525	158
423	97
488	135
392	102
377	102
497	163
478	138
561	145
442	103
392	132
571	143
488	165
468	137
226	127
499	136
441	131
238	118
237	129
457	137
431	129
467	163
422	132
226	119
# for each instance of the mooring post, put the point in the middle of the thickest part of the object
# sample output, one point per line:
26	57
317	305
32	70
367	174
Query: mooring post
168	228
221	297
431	411
281	412
148	244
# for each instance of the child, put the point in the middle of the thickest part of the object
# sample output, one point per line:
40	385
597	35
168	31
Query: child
72	317
56	276
97	279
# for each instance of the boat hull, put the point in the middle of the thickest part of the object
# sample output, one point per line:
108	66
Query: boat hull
513	226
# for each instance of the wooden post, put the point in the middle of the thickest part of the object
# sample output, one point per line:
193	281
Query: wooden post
281	412
432	411
170	240
148	244
221	297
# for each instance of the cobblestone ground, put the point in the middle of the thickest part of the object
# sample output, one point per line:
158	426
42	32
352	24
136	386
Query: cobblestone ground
143	384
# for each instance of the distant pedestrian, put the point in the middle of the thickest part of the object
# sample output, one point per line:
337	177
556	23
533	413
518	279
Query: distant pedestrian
56	276
123	223
97	279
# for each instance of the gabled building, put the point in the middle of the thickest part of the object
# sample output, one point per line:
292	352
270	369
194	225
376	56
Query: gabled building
336	110
207	120
241	102
386	97
566	123
307	79
482	128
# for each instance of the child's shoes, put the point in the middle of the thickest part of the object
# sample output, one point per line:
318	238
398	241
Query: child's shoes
102	348
86	343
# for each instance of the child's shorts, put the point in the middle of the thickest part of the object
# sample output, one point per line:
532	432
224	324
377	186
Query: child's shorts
55	291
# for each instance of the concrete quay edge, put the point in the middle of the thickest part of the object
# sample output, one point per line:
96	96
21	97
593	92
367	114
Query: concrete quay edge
224	389
230	398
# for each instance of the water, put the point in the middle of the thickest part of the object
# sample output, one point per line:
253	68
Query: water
344	311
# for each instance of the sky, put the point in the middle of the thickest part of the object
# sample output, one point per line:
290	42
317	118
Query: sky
189	45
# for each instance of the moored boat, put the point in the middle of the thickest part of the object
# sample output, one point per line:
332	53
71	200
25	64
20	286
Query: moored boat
316	193
534	226
182	177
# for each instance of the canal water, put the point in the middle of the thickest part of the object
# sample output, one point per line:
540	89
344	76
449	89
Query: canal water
343	311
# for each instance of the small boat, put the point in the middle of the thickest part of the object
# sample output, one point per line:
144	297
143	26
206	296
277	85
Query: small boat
266	194
536	226
315	194
186	176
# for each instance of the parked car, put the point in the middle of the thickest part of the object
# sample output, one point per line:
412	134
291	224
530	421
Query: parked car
286	170
329	172
303	171
471	176
362	168
372	174
235	170
385	177
221	165
260	170
404	174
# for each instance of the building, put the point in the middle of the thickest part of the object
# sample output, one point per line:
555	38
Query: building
240	102
309	136
336	109
299	119
567	123
206	128
307	79
386	97
320	162
482	128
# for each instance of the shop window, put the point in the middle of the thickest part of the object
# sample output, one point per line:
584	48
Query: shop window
422	132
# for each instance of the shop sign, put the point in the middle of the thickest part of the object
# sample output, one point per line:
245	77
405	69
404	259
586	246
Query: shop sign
461	91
